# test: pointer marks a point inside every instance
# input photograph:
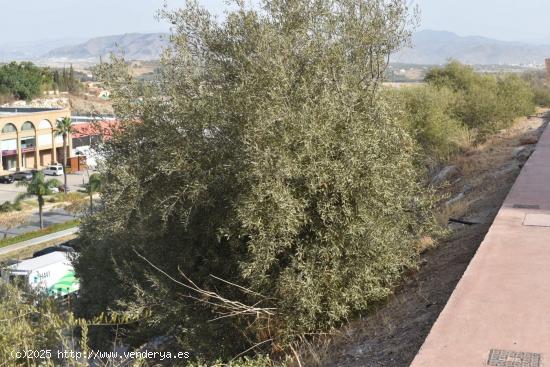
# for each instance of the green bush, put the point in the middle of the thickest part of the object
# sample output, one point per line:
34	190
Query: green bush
515	97
8	206
24	80
542	96
269	159
427	113
68	197
539	83
484	103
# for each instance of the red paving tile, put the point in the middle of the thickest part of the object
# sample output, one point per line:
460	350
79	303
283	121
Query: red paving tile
502	302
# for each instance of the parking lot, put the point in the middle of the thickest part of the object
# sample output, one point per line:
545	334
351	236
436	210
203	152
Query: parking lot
75	181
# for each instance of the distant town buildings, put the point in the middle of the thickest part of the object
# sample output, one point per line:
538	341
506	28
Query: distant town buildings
28	139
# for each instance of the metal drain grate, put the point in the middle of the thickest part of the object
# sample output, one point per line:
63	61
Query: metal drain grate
507	358
537	220
526	206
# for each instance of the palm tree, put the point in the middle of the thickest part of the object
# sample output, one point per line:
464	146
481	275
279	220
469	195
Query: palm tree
38	187
64	128
93	186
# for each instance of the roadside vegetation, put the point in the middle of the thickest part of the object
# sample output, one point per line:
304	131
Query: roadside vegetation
38	187
540	85
38	233
281	192
457	108
292	206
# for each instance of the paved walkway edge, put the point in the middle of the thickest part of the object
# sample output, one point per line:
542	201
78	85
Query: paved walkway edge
38	240
499	312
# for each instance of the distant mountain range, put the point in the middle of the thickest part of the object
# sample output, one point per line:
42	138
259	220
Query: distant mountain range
33	50
430	47
134	46
437	47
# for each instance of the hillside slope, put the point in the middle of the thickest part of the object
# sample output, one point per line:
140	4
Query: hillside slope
437	47
134	46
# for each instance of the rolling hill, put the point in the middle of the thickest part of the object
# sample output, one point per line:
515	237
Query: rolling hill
134	46
437	47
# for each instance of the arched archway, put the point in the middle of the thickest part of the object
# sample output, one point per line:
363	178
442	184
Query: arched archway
45	124
9	128
27	126
8	146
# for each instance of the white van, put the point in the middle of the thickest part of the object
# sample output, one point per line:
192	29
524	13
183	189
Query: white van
52	274
54	170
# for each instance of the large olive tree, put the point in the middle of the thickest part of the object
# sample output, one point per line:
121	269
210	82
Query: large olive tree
263	155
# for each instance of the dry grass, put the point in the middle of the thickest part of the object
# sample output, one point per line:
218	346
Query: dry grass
85	105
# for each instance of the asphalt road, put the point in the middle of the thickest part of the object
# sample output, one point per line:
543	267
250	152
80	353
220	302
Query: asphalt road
8	192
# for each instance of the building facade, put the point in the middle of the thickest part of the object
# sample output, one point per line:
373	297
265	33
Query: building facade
28	139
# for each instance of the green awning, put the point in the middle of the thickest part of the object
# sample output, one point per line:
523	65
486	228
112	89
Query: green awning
66	285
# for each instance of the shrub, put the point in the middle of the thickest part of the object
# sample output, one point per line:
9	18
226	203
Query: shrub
542	96
8	206
269	159
427	113
485	103
515	97
539	83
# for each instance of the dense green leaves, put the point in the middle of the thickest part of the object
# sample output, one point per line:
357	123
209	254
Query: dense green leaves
23	80
457	107
428	114
26	81
265	155
485	103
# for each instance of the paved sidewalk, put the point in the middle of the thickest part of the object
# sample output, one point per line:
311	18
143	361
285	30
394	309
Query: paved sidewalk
499	313
38	240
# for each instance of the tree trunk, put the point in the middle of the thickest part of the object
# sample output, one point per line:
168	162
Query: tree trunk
91	203
40	213
65	163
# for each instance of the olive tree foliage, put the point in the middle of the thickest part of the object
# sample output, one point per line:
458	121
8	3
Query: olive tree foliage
34	328
265	156
484	103
428	113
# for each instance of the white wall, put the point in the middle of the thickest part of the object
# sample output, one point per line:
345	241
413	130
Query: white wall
10	144
44	140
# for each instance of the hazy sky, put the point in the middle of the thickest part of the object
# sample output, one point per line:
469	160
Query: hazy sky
508	20
32	20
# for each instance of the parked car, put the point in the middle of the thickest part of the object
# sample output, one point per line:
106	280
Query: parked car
6	179
49	250
22	176
54	170
74	244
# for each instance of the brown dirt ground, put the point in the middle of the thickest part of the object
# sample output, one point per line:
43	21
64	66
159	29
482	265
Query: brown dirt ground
85	105
392	334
